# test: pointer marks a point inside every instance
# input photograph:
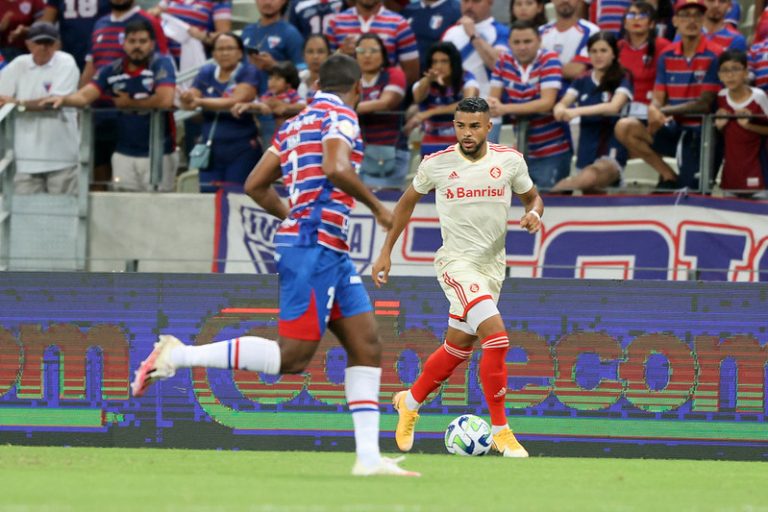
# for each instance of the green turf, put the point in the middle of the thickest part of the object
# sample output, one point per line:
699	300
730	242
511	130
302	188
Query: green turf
35	479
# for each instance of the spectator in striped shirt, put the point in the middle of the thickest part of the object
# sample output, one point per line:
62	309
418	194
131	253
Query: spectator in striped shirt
758	64
370	16
528	10
437	94
206	19
608	14
718	30
601	95
532	77
686	85
383	90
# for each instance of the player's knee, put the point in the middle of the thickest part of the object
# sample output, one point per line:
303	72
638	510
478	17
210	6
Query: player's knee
293	360
367	352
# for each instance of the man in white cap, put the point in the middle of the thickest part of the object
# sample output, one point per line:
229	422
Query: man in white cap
46	142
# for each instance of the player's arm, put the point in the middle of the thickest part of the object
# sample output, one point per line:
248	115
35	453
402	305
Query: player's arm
534	209
50	13
258	185
338	168
400	217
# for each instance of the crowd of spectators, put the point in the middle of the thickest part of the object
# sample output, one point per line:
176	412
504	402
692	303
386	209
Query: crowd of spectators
601	82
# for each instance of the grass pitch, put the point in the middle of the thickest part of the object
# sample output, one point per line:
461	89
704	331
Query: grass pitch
35	479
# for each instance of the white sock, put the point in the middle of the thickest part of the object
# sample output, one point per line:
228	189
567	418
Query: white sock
245	353
411	402
495	429
361	386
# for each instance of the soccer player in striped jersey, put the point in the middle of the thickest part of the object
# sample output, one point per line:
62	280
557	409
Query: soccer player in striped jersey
317	154
473	182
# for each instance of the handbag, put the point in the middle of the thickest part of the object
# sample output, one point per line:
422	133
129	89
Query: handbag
378	160
200	155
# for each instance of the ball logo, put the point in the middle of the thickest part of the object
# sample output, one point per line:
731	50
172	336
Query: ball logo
495	172
474	288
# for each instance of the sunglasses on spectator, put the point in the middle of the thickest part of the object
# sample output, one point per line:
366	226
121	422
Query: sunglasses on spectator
637	16
366	51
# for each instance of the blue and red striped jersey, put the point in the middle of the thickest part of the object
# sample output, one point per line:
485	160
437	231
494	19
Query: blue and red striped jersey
108	36
758	64
76	19
546	136
199	13
608	14
684	80
319	211
382	127
393	29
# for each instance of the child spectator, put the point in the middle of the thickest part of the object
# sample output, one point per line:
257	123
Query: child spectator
443	85
745	151
639	51
601	95
528	10
281	99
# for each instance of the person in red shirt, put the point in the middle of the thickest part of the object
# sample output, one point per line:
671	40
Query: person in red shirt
745	151
15	17
639	50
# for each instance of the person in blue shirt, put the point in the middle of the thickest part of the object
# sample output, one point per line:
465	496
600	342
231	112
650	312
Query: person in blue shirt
312	16
601	95
140	80
235	146
76	19
429	19
268	41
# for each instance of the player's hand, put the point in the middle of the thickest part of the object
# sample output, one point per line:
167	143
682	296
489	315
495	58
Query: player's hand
495	107
530	222
52	102
380	270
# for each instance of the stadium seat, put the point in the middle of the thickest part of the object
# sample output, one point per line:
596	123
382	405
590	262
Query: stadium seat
507	136
188	182
639	175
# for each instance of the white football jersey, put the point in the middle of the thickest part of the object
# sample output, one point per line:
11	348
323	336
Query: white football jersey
473	200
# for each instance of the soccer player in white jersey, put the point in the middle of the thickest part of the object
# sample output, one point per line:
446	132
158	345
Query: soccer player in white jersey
473	182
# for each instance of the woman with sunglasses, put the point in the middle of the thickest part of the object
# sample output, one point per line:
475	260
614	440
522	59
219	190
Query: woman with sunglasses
639	52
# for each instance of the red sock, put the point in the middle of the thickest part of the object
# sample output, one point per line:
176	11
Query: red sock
493	375
439	366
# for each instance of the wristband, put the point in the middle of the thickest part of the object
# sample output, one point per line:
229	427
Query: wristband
535	213
472	38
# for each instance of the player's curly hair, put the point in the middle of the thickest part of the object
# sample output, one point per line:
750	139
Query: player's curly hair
472	105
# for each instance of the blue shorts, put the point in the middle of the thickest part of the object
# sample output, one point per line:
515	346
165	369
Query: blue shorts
317	285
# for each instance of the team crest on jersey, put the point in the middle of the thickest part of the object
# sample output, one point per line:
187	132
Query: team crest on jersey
474	288
558	49
25	7
373	95
121	38
148	82
274	41
495	173
435	22
699	74
47	86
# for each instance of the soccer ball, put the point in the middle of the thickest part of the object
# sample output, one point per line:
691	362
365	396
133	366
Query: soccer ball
468	435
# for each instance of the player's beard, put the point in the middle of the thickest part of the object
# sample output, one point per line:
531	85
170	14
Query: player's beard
472	154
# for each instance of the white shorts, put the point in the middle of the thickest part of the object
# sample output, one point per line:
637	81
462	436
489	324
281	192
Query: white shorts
464	286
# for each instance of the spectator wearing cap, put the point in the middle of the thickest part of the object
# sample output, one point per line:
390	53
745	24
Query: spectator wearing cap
15	17
717	29
75	21
46	143
268	41
139	80
686	86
